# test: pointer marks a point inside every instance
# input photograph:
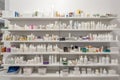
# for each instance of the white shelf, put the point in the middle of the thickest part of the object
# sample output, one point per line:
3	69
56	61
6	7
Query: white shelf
56	65
41	30
59	18
32	41
30	65
31	76
30	53
59	41
101	18
72	53
32	18
87	41
59	76
92	76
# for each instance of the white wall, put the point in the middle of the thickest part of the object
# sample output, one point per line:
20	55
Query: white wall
90	6
2	4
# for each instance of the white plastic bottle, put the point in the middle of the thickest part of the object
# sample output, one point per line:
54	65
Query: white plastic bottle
35	60
100	60
56	49
95	59
85	60
71	23
44	48
79	49
107	59
97	72
69	35
38	48
38	60
55	59
101	71
60	60
26	27
103	60
42	59
81	60
104	71
50	59
49	48
75	25
116	38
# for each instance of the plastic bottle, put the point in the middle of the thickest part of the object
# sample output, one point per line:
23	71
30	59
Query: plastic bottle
103	60
81	60
104	71
107	59
50	59
101	71
60	60
55	59
85	60
42	59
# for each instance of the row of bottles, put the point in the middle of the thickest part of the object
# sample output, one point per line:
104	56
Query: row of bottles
56	48
54	59
75	25
53	37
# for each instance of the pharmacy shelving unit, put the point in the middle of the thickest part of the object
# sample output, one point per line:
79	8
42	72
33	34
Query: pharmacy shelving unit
45	20
1	25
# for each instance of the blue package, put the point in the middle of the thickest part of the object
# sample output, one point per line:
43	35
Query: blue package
16	14
13	69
